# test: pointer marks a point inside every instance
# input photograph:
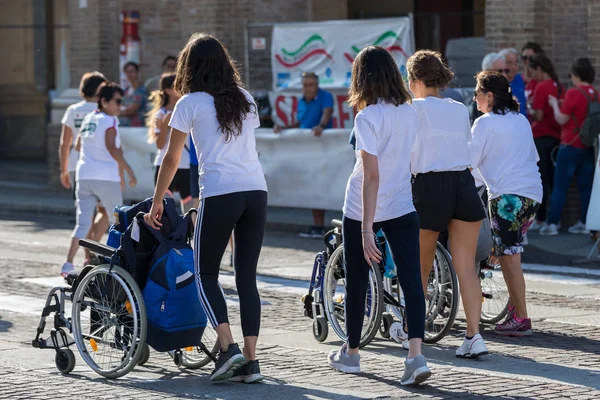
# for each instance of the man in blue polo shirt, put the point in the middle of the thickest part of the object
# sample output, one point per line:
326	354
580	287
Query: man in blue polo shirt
315	110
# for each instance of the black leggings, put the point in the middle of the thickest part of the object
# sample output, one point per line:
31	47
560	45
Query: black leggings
218	216
402	235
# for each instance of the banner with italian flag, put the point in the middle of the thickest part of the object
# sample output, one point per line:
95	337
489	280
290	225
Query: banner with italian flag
329	48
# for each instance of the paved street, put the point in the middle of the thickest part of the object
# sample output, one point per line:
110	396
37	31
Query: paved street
561	360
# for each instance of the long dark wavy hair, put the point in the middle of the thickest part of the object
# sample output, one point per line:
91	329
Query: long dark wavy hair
204	65
498	85
375	76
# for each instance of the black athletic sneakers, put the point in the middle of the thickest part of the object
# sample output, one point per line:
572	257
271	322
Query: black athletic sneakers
248	373
227	362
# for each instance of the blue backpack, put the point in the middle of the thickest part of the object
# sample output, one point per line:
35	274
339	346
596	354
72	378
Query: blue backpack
165	258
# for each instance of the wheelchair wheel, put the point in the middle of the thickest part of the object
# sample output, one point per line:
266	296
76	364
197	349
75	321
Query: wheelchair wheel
334	298
65	361
494	294
109	321
442	298
320	328
193	357
145	355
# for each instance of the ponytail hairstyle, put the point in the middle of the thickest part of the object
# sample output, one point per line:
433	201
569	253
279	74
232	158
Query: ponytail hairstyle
498	85
205	66
159	99
542	61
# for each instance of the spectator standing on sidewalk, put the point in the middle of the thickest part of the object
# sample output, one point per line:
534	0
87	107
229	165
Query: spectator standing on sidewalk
133	110
502	148
573	158
100	167
68	155
517	83
546	131
527	51
315	111
378	196
168	67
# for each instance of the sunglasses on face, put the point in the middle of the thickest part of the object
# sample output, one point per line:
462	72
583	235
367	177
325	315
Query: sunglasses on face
524	57
503	70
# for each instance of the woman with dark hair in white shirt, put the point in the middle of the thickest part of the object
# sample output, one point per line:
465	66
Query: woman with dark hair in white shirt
504	151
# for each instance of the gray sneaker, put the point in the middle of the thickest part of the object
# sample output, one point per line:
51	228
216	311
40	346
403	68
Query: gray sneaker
416	372
227	362
344	362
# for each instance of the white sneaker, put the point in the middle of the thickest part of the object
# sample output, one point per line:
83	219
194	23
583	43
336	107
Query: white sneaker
579	228
66	269
536	226
473	348
397	332
549	230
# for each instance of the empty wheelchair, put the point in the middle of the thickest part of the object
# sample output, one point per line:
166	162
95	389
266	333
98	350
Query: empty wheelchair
384	303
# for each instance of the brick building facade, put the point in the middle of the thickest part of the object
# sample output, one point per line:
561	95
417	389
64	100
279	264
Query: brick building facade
566	29
84	35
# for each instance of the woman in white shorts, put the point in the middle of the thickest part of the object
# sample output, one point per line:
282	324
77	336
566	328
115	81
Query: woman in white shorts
99	170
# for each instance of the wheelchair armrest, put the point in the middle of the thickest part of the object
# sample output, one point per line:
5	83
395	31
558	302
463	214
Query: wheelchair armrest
97	247
336	223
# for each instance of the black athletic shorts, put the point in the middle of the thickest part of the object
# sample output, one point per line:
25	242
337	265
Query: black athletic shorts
442	196
180	183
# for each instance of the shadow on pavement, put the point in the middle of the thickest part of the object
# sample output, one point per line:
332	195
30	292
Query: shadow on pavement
196	385
5	325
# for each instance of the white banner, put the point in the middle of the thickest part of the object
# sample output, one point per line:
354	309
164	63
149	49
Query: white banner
284	106
305	171
329	48
302	170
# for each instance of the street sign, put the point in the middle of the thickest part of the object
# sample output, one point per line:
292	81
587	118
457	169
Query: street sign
259	43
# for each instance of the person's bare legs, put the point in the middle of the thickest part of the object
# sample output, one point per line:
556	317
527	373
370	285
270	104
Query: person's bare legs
463	238
100	224
428	243
515	281
319	217
73	249
195	202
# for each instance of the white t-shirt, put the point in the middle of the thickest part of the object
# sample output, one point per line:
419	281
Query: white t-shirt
479	182
95	162
388	132
503	150
443	134
73	118
224	167
184	161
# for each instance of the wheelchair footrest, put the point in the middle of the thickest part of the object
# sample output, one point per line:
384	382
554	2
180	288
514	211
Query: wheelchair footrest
56	340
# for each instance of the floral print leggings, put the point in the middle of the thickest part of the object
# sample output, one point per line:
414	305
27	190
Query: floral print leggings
511	216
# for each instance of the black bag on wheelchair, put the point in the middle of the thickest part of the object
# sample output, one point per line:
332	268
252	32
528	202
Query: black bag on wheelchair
137	245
